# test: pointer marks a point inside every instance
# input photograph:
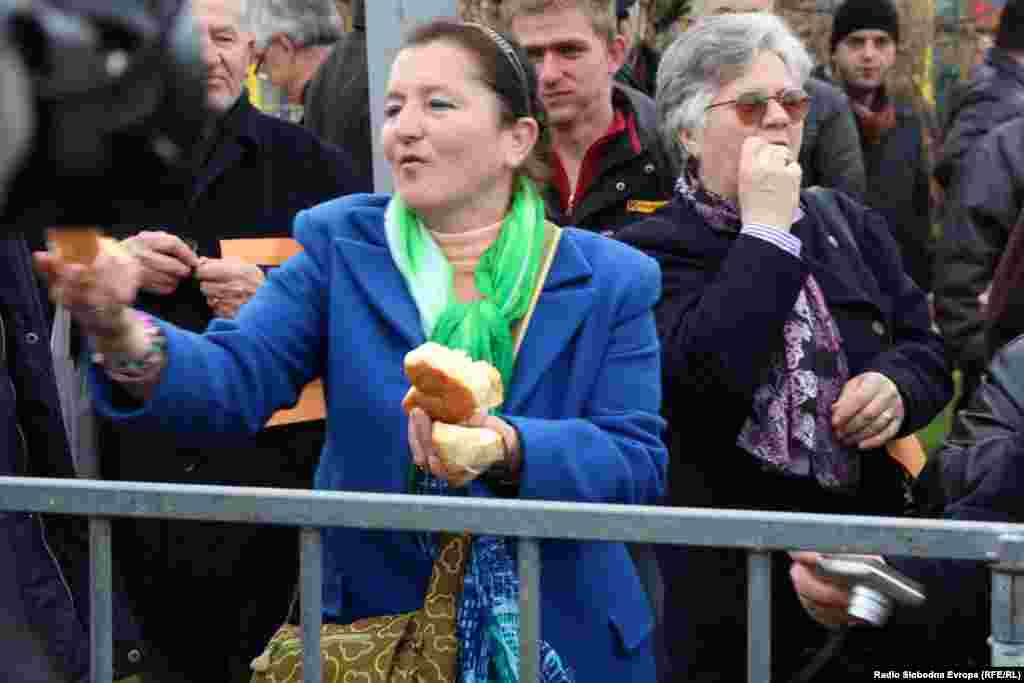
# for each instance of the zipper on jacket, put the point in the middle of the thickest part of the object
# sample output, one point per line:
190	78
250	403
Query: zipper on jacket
23	440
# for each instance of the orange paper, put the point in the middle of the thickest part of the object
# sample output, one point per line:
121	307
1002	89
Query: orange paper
267	251
273	251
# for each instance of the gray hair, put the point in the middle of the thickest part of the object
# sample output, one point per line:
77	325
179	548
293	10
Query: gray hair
709	56
306	22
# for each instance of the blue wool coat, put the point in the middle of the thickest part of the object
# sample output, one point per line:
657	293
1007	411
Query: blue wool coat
584	398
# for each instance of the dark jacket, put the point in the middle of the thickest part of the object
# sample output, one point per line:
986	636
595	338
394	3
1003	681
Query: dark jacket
629	182
232	582
1004	313
978	475
994	95
336	105
44	560
897	172
830	155
725	300
990	195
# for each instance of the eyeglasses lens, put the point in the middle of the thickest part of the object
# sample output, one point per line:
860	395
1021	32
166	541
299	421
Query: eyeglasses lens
751	107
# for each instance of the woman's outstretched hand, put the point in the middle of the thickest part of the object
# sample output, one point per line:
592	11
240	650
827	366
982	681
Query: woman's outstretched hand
96	295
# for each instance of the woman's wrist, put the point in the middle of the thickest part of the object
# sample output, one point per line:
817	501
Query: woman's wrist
120	331
508	470
136	355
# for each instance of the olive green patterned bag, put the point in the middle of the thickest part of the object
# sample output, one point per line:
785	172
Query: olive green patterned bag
419	646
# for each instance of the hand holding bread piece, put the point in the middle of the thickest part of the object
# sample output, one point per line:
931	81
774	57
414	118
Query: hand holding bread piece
450	431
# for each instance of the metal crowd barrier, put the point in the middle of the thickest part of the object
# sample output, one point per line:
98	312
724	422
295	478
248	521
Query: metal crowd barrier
530	522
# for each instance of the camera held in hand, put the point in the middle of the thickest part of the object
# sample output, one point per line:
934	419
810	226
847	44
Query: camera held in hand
875	587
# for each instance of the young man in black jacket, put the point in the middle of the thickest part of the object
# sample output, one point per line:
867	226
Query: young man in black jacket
609	167
863	41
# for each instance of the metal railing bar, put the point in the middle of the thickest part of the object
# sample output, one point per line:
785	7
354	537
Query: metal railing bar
529	610
101	610
311	590
759	617
535	519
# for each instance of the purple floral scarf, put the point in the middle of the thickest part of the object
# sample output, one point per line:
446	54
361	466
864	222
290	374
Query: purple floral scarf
790	426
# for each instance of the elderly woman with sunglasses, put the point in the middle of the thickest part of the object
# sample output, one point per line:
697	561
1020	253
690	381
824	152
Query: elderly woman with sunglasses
794	346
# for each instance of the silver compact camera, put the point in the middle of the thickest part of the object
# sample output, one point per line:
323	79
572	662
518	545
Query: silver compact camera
875	587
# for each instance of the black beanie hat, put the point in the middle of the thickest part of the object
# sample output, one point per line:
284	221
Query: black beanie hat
1010	34
858	15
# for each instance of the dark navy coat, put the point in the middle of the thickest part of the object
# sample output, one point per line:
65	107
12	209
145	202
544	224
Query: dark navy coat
43	559
725	299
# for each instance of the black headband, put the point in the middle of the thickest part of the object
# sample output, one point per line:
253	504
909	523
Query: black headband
513	58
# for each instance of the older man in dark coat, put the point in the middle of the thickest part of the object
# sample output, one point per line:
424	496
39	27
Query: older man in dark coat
210	595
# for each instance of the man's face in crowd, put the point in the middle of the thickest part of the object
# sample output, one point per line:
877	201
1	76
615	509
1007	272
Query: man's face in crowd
227	50
717	7
574	64
863	58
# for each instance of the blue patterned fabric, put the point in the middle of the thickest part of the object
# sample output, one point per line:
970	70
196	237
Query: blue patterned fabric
488	615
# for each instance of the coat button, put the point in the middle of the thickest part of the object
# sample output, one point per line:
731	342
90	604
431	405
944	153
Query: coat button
878	328
620	186
649	169
191	467
134	656
833	241
31	338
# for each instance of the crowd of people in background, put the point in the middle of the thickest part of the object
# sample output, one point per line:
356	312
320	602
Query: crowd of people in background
745	298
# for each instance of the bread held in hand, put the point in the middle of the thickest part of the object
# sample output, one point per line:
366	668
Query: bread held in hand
472	449
449	385
75	244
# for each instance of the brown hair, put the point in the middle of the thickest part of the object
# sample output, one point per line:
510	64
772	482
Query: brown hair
514	83
601	13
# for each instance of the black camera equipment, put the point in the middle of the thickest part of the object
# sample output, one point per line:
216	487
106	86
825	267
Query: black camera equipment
114	96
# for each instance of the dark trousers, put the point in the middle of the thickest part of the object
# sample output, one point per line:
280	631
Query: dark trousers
210	595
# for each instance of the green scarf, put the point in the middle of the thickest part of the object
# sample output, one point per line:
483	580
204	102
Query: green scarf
506	277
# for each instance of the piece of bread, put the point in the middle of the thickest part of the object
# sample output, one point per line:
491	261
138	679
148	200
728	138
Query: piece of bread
75	244
449	385
467	448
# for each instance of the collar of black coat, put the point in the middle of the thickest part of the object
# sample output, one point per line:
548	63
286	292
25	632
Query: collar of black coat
239	122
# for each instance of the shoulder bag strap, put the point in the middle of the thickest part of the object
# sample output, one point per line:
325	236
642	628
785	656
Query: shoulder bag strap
554	236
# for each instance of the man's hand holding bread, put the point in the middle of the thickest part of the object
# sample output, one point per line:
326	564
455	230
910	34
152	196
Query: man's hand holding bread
450	430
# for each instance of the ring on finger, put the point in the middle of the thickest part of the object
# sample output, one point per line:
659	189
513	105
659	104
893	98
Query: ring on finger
887	416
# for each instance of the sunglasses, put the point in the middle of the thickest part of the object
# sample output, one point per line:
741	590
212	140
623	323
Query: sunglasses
752	106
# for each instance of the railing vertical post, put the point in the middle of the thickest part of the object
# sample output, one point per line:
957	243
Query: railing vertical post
1007	641
759	617
311	590
101	610
529	610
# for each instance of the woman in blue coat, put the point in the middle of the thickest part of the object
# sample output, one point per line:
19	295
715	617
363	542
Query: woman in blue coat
453	257
794	344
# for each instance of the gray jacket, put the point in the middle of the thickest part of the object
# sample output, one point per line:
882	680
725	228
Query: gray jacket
831	155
